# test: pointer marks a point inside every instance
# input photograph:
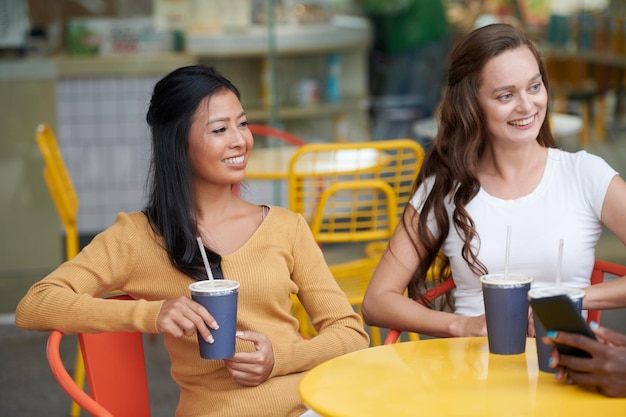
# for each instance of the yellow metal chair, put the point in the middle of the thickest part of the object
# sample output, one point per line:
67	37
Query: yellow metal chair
60	186
66	202
354	192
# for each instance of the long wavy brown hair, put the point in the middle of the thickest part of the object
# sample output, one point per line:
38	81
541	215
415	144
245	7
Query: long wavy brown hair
460	142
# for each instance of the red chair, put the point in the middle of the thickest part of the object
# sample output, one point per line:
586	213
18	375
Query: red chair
275	133
431	295
600	269
115	369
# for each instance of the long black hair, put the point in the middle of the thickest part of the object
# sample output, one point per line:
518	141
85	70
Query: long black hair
170	207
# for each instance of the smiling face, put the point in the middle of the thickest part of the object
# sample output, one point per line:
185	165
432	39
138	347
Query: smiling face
219	140
513	97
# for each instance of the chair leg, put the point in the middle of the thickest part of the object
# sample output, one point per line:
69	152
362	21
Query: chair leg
375	336
414	336
79	378
584	134
599	121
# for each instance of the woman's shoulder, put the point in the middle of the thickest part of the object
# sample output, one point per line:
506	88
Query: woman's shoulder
131	219
580	161
130	224
283	214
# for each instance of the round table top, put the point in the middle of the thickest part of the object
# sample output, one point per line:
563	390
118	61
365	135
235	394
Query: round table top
273	163
446	377
269	163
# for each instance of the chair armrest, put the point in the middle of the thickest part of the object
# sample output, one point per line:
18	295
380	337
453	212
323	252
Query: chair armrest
432	294
67	382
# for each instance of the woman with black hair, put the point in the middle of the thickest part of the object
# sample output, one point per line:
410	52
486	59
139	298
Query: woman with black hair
200	147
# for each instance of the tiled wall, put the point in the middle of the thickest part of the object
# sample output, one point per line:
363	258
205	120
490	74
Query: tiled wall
105	142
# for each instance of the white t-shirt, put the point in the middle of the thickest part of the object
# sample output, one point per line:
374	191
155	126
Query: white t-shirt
566	204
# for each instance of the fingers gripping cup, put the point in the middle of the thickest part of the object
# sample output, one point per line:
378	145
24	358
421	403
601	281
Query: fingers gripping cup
219	297
506	311
543	350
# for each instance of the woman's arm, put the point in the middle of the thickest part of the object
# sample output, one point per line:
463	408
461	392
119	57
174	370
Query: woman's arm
611	294
69	298
386	305
340	329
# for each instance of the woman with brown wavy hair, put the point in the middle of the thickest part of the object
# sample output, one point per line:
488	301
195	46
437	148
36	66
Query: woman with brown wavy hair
495	164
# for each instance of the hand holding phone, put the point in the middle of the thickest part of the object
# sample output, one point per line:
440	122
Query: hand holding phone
559	313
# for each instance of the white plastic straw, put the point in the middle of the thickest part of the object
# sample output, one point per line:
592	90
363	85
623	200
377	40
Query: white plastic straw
507	251
559	263
204	258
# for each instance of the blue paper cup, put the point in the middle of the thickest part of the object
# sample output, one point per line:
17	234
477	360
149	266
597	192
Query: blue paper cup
219	297
506	311
543	350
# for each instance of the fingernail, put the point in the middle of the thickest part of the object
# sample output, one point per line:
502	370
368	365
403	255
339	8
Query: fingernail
594	325
551	334
238	334
550	362
215	326
210	338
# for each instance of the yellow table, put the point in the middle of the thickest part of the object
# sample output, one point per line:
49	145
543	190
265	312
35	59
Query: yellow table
273	163
269	163
446	377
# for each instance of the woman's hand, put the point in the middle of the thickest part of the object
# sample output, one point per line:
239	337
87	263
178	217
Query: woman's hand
183	317
470	326
604	372
530	331
252	368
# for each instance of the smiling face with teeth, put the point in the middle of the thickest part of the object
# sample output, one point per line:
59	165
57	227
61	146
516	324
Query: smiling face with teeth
513	97
219	140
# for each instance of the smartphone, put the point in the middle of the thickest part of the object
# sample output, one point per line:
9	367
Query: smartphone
559	312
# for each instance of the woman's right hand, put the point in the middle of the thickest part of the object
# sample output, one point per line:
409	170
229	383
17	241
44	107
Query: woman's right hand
183	317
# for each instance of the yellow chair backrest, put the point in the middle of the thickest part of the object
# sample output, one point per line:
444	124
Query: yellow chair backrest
60	185
353	191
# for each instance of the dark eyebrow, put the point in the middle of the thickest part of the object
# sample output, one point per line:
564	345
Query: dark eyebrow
223	119
508	87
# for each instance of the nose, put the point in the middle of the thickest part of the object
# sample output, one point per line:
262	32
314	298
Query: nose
238	138
525	103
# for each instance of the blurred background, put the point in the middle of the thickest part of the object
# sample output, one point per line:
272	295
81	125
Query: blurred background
333	70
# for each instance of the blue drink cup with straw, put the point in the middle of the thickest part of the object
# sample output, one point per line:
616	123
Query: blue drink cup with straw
219	297
506	311
543	350
575	294
506	307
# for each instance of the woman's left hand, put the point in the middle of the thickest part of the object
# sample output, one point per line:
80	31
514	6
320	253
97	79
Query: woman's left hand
252	368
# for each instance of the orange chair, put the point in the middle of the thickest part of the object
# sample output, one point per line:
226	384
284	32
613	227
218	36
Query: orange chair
115	369
600	269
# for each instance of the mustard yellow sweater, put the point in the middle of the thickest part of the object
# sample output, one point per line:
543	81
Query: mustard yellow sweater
281	258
